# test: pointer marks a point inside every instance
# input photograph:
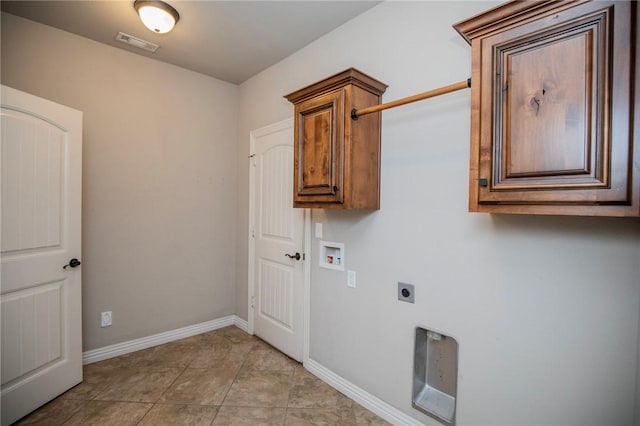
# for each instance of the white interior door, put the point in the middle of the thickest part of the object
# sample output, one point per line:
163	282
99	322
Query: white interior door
40	300
276	272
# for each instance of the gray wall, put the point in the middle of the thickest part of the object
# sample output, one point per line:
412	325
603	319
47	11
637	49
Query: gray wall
545	309
159	191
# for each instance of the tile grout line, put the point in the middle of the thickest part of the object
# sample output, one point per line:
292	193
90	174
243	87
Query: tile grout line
73	413
161	395
145	414
286	408
233	381
165	391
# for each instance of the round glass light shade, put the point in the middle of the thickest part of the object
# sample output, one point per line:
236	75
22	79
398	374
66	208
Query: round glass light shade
158	16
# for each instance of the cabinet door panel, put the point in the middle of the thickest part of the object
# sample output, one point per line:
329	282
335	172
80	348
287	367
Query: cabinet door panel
319	149
547	108
551	110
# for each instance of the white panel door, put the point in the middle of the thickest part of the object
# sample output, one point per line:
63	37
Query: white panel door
40	299
277	233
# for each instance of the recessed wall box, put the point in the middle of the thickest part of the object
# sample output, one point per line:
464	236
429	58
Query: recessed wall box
435	375
331	255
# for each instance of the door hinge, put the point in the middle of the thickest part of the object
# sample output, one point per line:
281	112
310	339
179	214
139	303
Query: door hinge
253	299
304	256
253	232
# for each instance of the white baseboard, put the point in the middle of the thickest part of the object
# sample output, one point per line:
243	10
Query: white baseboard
123	348
362	397
241	324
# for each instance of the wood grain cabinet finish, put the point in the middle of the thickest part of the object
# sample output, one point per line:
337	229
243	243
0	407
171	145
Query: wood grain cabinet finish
552	108
337	159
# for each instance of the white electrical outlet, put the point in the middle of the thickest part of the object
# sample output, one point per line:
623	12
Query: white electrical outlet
351	279
318	230
105	319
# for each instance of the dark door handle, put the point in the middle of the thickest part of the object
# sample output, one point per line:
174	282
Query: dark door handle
293	256
72	263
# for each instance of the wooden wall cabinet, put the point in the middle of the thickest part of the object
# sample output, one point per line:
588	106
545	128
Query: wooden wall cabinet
553	106
337	159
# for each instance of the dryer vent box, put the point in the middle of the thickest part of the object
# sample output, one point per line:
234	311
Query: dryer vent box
435	375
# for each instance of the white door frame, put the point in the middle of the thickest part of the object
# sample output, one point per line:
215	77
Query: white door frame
306	240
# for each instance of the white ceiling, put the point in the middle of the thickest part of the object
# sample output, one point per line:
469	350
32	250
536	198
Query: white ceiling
228	40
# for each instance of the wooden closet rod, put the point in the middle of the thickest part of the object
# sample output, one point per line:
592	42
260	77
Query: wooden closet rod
420	96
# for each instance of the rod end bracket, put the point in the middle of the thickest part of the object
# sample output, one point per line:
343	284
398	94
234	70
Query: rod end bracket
469	82
354	114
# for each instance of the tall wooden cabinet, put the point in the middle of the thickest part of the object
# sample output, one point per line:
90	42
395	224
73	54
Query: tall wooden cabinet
553	108
337	159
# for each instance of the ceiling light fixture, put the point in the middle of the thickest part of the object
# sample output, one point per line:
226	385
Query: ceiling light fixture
156	15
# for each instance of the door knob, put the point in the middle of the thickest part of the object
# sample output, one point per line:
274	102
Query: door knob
293	256
72	263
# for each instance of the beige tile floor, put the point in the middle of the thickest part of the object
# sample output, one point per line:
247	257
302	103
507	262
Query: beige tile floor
224	377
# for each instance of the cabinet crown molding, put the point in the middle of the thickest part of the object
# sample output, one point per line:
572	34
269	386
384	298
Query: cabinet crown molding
510	14
350	76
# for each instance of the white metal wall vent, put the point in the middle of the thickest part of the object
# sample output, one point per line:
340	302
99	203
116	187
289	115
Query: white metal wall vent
137	42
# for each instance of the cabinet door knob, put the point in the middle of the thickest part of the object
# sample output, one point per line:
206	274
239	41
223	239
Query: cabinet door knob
483	182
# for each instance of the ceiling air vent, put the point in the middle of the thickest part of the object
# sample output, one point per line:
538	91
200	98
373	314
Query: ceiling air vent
137	42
